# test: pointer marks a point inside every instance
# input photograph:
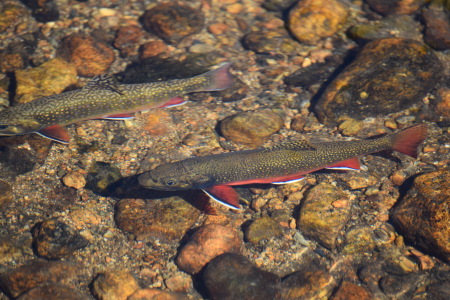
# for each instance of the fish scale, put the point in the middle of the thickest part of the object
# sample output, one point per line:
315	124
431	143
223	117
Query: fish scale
284	163
103	97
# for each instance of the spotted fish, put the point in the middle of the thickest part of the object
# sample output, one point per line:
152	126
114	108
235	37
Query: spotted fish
284	163
103	98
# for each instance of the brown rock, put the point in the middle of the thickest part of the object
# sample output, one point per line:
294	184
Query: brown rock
310	283
319	218
36	273
350	291
5	195
155	294
52	77
262	229
90	57
10	250
10	62
207	243
173	22
166	219
387	76
54	239
270	42
10	15
52	291
312	20
359	240
442	102
437	28
153	48
180	283
398	7
251	128
114	285
74	180
127	40
423	215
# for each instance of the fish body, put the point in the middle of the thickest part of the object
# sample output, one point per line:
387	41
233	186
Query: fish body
103	98
284	163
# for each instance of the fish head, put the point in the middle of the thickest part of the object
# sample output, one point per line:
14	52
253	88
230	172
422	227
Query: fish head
16	126
170	177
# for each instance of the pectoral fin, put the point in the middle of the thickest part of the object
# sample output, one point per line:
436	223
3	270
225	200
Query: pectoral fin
56	133
349	164
224	195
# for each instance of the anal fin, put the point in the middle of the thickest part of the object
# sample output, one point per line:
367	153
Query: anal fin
56	133
225	195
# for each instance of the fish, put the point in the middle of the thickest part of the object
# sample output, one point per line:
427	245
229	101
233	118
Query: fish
281	164
103	97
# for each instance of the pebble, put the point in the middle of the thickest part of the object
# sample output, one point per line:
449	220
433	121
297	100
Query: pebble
305	17
180	283
53	291
270	42
43	10
359	240
308	283
155	294
377	84
127	40
173	22
89	56
261	229
37	272
251	128
397	7
101	176
206	243
114	285
233	276
319	219
437	28
152	48
6	195
74	180
350	290
52	77
422	216
54	239
163	219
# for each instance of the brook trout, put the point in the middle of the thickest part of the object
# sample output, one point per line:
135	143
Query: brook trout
103	98
284	163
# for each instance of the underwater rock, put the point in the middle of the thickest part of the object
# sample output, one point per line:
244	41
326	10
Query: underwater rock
117	284
262	229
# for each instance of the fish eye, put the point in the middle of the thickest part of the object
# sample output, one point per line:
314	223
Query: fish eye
169	182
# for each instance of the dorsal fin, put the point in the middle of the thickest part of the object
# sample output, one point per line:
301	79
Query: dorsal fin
293	145
104	82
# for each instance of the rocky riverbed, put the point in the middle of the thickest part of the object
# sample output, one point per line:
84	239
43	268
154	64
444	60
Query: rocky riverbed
75	224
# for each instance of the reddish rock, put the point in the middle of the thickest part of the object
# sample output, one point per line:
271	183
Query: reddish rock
10	62
90	57
36	273
153	48
350	291
398	7
437	28
312	20
114	285
423	216
173	22
207	243
127	40
53	291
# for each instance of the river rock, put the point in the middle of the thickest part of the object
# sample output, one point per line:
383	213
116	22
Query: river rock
310	283
53	291
423	216
155	294
173	22
127	40
114	285
10	14
52	77
251	128
54	239
262	228
166	219
397	7
270	42
15	162
312	20
388	75
233	276
441	102
437	28
350	290
207	243
74	180
101	176
36	273
324	213
43	10
89	56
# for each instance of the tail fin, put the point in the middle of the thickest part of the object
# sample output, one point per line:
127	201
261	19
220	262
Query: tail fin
220	78
407	140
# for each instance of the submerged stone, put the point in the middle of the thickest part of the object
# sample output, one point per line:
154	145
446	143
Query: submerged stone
262	228
387	76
